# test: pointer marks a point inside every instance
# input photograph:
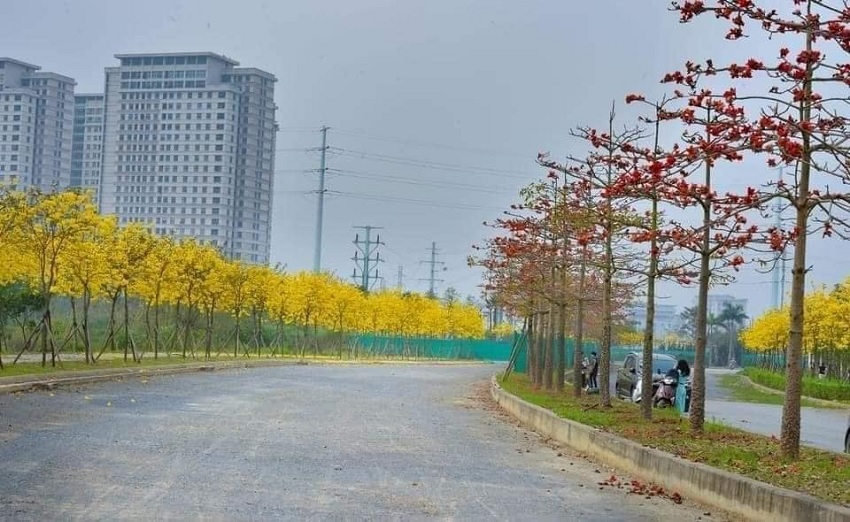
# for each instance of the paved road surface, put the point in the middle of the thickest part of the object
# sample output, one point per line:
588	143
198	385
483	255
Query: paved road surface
303	443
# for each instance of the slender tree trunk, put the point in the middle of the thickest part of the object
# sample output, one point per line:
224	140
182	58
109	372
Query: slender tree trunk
607	283
74	323
790	431
578	351
540	348
45	332
560	345
604	374
111	334
127	342
186	315
549	362
86	330
531	355
156	327
697	408
238	334
649	328
208	342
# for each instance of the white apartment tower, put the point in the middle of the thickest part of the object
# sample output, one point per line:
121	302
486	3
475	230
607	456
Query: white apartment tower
36	124
87	144
188	149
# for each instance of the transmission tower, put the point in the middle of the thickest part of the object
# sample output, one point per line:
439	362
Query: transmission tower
400	283
366	258
779	271
432	279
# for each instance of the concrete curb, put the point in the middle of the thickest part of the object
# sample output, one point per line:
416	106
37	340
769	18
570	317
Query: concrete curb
740	495
34	382
761	387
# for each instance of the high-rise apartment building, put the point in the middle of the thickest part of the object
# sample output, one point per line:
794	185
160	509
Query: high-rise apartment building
36	114
188	149
87	145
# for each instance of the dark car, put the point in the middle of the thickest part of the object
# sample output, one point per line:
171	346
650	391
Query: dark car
629	373
847	439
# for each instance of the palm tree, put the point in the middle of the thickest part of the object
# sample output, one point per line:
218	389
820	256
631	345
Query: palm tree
688	323
732	317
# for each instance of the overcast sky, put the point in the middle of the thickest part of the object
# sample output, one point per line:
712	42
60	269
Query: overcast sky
437	108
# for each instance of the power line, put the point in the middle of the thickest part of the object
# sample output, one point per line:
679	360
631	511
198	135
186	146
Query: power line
436	165
416	143
393	199
430	183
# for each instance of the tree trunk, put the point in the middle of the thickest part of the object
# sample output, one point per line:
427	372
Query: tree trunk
86	331
156	328
127	342
208	341
790	431
549	363
238	334
111	333
649	328
560	346
697	409
531	354
578	350
604	374
540	348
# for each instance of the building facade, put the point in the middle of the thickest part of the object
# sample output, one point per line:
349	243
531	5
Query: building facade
666	318
87	143
716	303
36	126
188	149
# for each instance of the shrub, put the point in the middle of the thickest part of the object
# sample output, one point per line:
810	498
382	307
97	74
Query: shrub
828	389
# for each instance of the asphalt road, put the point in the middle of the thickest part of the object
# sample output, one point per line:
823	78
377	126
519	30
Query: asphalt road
302	443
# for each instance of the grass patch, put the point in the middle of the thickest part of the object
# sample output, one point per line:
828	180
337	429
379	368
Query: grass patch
111	361
827	389
743	391
35	368
822	474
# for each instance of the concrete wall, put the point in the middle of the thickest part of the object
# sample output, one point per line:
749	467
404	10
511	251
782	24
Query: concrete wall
748	498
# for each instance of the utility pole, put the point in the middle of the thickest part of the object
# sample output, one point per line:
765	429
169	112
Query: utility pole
400	278
366	258
432	280
320	208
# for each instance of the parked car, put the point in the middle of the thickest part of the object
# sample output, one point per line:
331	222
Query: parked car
630	372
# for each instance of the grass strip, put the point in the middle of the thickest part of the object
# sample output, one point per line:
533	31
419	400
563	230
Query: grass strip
827	389
822	474
743	391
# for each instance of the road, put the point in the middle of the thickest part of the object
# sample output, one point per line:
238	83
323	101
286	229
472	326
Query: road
297	443
819	427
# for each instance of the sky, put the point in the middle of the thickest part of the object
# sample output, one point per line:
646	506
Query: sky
437	109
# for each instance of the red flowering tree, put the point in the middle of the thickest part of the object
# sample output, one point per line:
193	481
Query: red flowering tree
801	94
681	177
598	171
541	262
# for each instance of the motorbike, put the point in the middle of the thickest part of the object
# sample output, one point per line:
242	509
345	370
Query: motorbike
665	395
